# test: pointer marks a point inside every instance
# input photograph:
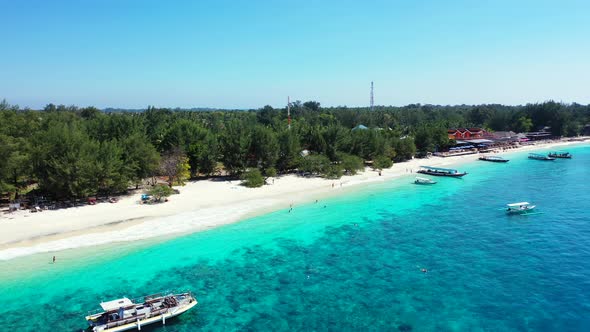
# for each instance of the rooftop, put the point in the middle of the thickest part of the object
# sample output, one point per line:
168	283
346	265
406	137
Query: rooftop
518	204
115	304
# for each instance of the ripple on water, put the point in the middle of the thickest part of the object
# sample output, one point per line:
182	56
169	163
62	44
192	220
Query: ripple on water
359	267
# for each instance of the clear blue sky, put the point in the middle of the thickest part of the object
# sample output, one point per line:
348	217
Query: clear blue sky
246	54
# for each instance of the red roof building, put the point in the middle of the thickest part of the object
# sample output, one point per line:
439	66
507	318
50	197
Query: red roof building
466	133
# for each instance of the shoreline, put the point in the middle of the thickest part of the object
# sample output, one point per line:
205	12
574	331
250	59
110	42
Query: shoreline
201	205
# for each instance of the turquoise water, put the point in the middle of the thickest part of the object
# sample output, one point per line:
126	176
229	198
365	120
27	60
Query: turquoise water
353	265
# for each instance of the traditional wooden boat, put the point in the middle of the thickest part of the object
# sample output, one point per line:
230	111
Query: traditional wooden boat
124	314
538	156
420	180
494	159
520	208
438	171
560	154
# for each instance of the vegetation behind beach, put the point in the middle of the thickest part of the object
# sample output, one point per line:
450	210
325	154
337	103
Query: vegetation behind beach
72	152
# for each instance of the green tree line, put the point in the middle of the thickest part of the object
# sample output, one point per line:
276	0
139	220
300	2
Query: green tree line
73	152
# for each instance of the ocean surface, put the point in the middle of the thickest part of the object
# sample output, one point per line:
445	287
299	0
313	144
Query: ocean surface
351	263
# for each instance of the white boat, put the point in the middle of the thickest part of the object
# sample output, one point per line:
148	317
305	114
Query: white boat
420	180
124	314
520	208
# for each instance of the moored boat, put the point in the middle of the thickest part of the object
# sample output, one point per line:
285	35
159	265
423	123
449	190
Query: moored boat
439	171
420	180
494	159
560	154
520	208
538	156
124	314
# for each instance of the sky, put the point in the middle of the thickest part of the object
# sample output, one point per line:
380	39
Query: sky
247	54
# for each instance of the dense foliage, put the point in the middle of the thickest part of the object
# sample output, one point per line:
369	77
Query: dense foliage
252	178
159	191
75	152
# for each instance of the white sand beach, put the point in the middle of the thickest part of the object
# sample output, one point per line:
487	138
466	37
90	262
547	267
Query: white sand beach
200	205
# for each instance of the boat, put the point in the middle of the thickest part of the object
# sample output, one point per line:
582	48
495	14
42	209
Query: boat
539	156
438	171
560	154
494	159
124	314
420	180
520	208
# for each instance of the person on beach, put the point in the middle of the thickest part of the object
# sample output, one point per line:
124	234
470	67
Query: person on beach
53	259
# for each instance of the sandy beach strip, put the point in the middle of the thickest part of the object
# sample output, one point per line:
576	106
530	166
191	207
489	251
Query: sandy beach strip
200	205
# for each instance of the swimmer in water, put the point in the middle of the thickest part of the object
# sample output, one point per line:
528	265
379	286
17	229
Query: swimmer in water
424	270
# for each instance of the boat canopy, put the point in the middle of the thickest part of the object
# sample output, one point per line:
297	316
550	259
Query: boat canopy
440	169
518	204
115	304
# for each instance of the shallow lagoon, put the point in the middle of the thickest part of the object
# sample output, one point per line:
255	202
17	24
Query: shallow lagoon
354	264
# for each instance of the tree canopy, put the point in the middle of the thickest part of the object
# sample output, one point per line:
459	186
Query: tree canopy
73	152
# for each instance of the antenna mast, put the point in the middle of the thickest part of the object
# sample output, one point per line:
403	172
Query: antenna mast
372	101
289	111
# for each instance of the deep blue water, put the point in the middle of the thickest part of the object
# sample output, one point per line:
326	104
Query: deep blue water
355	265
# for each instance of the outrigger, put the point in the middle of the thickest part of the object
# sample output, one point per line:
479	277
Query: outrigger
521	208
438	171
494	159
124	314
538	156
560	154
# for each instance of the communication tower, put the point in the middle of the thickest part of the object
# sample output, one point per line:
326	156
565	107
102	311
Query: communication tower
372	101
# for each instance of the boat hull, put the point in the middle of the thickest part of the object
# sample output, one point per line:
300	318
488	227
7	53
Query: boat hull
543	159
452	175
132	315
425	183
528	210
152	320
495	160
